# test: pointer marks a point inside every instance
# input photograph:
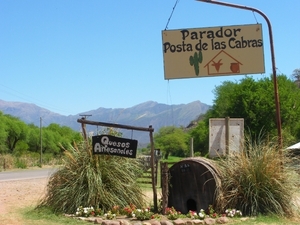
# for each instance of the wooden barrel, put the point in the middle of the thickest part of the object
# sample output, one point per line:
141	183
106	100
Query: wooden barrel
194	184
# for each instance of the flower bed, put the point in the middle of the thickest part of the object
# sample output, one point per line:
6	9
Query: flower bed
131	214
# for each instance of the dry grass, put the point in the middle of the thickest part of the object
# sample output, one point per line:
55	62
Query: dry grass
101	181
259	180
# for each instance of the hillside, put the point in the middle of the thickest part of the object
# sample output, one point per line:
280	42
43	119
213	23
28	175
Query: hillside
141	115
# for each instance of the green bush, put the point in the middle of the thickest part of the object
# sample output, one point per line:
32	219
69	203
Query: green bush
101	181
20	163
258	180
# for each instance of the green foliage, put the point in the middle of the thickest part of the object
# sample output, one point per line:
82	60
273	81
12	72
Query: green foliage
172	159
3	133
51	141
64	135
101	181
258	180
143	214
21	148
254	101
18	138
249	99
144	151
172	141
172	213
44	216
200	137
296	75
16	131
34	142
20	163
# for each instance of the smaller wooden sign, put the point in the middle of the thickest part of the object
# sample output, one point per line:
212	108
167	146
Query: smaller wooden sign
111	145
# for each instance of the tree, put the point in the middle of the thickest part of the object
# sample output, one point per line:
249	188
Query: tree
3	133
296	77
254	101
200	137
249	99
67	135
51	141
34	141
19	137
172	140
16	131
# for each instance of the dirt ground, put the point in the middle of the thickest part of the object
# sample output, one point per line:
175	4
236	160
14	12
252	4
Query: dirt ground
16	195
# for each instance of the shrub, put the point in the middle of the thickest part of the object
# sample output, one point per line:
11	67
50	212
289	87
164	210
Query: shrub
20	163
128	210
101	181
172	213
143	214
258	180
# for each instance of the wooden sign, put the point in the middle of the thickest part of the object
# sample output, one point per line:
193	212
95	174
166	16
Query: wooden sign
111	145
213	51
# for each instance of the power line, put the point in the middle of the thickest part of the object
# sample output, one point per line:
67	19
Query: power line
171	14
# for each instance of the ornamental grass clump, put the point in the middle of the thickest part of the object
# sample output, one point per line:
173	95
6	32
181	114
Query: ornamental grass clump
101	181
258	180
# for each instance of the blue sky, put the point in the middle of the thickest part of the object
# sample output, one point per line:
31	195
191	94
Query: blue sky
71	56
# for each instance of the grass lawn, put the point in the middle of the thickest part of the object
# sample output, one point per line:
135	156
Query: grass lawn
45	217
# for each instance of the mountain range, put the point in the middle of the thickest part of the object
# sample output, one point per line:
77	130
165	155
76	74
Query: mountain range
142	115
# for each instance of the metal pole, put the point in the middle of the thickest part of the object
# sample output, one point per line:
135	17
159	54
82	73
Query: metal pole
276	96
41	161
152	171
227	119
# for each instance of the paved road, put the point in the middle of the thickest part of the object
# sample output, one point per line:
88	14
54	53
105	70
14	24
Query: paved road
26	174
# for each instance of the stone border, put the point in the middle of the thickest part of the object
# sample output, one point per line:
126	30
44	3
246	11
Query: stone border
163	221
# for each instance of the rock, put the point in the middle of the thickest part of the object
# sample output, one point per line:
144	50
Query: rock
146	223
124	222
98	221
179	222
166	222
110	222
209	221
90	219
222	220
154	222
137	223
198	222
189	222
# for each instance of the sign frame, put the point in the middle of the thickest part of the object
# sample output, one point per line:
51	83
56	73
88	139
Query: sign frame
213	51
116	146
